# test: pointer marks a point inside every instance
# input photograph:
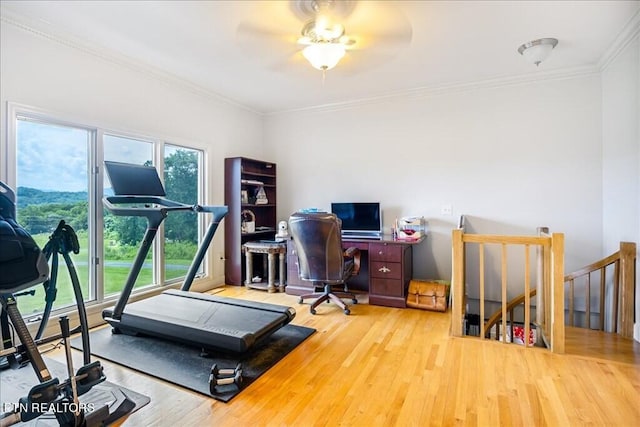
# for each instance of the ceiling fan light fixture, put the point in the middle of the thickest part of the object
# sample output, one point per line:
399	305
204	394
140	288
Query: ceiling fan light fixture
324	38
336	31
324	55
538	50
326	30
320	30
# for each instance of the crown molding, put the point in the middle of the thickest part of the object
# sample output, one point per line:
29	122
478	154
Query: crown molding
429	91
629	32
31	26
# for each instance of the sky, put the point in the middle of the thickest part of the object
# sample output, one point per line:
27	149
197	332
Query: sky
55	158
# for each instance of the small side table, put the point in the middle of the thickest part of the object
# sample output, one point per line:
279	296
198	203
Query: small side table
271	249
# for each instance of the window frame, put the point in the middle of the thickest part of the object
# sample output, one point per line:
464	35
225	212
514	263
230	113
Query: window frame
96	299
201	218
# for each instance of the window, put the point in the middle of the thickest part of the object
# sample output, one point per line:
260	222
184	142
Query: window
181	231
53	184
122	234
57	167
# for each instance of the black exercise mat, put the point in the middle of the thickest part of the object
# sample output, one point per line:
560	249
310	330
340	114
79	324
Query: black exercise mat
16	383
184	366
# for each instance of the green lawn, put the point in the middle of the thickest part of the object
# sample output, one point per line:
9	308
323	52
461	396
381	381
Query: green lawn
114	278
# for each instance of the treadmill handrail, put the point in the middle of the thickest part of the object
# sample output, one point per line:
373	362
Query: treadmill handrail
162	205
218	212
155	210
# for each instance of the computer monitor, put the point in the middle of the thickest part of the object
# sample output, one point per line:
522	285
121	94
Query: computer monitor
359	219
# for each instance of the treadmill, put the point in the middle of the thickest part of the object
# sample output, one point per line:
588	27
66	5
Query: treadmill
206	321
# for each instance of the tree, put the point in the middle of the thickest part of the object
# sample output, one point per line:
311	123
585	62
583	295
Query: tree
44	218
181	185
128	229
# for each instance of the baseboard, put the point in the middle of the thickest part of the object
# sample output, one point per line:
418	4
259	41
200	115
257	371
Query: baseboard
207	284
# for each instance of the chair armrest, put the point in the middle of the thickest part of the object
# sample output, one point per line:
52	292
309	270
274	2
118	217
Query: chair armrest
355	254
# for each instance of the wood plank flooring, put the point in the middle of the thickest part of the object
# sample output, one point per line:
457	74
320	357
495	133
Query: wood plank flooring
399	367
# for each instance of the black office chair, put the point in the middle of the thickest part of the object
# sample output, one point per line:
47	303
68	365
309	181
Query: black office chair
321	259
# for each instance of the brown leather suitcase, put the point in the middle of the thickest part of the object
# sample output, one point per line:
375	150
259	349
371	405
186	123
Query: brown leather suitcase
428	294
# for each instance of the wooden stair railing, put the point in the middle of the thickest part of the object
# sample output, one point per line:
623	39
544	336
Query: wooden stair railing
497	316
551	268
623	282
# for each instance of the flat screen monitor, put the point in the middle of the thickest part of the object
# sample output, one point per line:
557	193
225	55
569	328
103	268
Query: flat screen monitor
134	180
359	219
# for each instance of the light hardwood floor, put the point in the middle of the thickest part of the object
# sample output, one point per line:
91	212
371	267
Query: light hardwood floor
399	367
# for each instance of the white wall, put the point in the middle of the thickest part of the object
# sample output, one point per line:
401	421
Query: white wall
75	85
621	153
512	158
551	152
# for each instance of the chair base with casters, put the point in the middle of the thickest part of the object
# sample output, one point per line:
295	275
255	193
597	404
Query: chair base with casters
329	295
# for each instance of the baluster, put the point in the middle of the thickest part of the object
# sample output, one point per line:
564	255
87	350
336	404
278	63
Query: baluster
504	291
481	323
603	273
588	301
616	293
527	296
571	296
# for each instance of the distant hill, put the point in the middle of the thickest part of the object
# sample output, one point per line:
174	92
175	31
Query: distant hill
31	196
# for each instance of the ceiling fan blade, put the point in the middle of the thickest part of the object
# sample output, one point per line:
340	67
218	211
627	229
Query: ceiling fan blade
265	45
375	32
307	9
288	63
378	24
359	61
250	32
395	40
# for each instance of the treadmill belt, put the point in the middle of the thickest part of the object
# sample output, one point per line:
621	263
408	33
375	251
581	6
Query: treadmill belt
208	321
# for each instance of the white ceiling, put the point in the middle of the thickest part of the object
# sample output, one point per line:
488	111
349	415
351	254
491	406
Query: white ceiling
428	44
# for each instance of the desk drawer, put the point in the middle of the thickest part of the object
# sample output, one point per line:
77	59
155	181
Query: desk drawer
346	244
387	287
385	270
385	252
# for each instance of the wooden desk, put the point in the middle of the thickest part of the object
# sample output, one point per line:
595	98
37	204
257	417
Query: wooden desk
385	271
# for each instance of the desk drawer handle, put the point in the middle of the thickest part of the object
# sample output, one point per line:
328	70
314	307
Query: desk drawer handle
384	270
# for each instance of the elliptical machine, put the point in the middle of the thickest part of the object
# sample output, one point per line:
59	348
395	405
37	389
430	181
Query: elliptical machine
22	266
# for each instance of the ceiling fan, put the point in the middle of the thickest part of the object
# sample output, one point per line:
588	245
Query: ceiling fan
324	37
323	31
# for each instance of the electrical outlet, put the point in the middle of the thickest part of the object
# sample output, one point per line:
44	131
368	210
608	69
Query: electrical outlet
446	210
